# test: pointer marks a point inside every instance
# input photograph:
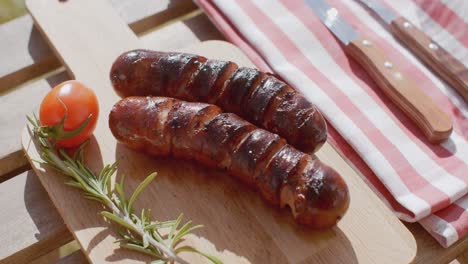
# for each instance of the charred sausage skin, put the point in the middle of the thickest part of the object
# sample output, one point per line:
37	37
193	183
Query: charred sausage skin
161	126
256	96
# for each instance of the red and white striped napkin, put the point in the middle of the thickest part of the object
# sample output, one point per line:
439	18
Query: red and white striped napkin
419	181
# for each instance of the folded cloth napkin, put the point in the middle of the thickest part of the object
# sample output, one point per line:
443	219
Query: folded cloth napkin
419	181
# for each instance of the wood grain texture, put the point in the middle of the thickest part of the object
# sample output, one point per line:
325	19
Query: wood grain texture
240	227
430	251
463	258
182	34
402	90
75	258
30	224
18	103
12	162
442	62
25	101
25	54
142	15
66	254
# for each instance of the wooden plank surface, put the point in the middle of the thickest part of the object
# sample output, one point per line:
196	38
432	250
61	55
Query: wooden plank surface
66	254
26	55
142	15
182	34
30	224
75	258
18	103
272	236
430	251
25	101
463	258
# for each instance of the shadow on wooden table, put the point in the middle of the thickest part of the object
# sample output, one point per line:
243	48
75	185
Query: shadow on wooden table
200	29
238	224
433	251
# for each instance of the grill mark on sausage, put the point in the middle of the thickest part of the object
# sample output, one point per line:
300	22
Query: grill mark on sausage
256	96
258	101
209	81
279	168
238	87
316	194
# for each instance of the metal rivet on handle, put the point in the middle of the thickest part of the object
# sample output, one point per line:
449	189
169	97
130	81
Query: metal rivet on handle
366	43
398	75
388	65
407	24
433	46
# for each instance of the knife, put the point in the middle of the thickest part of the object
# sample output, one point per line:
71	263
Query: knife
404	92
443	63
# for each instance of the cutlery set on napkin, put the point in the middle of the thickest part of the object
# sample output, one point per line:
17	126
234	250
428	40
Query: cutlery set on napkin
365	65
402	90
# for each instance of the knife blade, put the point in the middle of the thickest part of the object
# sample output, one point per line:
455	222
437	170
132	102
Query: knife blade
433	55
435	124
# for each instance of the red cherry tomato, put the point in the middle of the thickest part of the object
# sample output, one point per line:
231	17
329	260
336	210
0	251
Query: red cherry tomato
79	102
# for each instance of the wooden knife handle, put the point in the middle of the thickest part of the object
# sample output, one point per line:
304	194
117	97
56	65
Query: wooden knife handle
404	92
436	57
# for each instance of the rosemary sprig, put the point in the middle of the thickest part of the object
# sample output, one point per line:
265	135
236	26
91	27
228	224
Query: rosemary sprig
137	231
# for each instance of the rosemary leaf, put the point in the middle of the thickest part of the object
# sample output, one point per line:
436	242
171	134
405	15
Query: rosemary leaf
93	198
213	259
74	184
140	249
118	220
139	189
160	225
174	227
137	232
157	236
184	231
159	261
145	241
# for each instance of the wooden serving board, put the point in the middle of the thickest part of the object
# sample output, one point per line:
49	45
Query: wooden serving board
87	35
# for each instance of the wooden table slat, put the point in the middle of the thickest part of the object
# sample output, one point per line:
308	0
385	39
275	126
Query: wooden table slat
75	258
26	55
66	254
25	98
28	245
24	101
142	15
18	103
463	258
181	34
31	226
430	251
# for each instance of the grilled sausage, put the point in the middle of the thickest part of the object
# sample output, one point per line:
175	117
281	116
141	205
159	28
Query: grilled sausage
258	97
161	126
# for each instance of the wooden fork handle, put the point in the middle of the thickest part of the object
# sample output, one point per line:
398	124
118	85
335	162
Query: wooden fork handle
404	92
436	57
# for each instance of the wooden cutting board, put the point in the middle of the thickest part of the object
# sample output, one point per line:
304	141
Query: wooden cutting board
87	35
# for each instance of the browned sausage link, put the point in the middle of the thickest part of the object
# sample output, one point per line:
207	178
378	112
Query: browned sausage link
316	194
207	83
259	98
237	89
